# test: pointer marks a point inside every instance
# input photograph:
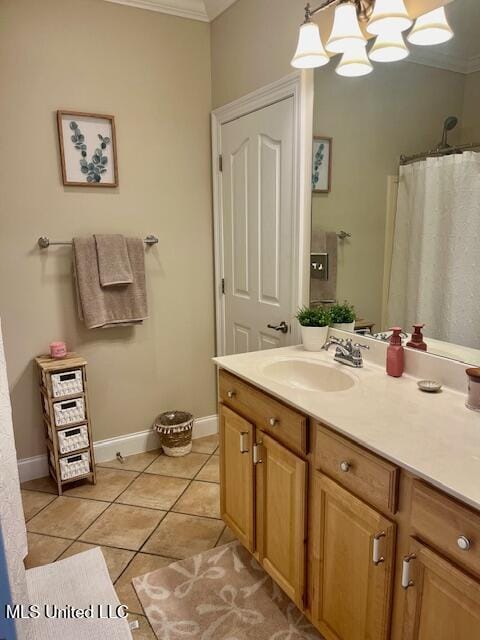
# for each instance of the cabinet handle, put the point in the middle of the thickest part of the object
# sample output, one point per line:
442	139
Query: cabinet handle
256	454
243	446
376	557
273	422
345	466
231	394
406	582
464	543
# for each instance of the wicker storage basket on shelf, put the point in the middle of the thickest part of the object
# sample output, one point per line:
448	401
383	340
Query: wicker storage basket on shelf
175	429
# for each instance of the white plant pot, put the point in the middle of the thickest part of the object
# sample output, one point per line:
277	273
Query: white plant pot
314	338
344	326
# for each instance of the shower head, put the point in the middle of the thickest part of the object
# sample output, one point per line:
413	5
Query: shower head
449	124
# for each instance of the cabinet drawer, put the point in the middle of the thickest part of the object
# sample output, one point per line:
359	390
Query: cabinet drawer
270	415
369	477
445	524
69	411
66	383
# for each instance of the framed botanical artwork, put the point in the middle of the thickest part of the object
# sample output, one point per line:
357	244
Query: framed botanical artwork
321	164
88	149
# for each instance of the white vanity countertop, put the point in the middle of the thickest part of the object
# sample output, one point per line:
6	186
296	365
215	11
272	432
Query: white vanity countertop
432	435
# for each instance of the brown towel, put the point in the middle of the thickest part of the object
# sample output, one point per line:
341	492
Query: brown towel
113	261
325	290
109	306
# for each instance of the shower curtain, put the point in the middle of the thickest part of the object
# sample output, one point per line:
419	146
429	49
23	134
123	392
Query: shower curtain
11	511
435	275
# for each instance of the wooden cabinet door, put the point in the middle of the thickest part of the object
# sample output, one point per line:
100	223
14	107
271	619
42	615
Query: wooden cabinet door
236	475
442	602
353	556
281	510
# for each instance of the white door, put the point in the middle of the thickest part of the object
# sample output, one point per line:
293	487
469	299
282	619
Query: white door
258	223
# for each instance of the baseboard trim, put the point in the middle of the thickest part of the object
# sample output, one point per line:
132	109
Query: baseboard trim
37	466
31	468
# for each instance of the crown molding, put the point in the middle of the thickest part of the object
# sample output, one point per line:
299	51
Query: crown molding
474	64
215	7
448	62
203	10
192	9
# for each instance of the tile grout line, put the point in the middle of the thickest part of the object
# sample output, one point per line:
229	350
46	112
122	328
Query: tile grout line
83	530
77	539
153	532
104	511
190	481
194	479
218	539
114	501
170	510
40	511
137	551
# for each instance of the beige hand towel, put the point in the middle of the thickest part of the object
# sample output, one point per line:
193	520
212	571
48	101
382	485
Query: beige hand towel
325	290
109	306
113	261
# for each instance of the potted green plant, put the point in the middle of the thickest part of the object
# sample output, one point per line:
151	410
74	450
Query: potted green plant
343	317
314	322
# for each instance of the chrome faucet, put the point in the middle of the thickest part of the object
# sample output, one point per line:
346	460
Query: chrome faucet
347	352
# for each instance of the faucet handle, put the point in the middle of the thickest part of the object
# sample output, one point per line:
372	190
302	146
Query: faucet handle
332	340
357	345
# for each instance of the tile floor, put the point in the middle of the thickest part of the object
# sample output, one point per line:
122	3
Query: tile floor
144	513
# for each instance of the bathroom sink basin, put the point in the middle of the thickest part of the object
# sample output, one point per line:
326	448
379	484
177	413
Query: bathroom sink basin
311	376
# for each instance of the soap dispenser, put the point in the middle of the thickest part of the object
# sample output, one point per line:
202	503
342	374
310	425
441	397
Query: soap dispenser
395	354
417	341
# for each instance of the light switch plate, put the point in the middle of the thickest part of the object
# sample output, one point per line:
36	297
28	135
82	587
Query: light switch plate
319	266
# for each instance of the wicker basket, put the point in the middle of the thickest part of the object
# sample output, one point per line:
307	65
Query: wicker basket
175	429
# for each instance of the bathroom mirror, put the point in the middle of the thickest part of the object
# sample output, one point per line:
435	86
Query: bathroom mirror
407	222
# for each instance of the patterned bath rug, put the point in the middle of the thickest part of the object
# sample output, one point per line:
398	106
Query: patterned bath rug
222	594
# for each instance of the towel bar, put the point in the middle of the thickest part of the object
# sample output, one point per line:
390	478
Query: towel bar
44	241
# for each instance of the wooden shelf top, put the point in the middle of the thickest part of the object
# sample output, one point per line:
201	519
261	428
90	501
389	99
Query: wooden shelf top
46	363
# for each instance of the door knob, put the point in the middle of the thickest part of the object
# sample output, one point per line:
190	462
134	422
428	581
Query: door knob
345	466
283	327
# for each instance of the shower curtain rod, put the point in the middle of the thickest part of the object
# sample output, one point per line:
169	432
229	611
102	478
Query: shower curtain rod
44	241
434	153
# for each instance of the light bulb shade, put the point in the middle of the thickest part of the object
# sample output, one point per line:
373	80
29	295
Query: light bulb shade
346	32
431	28
389	47
389	16
310	52
355	63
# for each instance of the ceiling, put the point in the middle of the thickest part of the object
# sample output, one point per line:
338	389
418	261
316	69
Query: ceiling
204	10
462	53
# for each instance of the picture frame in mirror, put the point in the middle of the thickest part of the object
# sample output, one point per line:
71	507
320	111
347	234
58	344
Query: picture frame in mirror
322	164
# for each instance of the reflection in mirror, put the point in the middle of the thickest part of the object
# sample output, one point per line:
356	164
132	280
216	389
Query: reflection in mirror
398	232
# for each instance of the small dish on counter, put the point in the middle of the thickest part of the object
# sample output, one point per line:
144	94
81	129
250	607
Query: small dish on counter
429	386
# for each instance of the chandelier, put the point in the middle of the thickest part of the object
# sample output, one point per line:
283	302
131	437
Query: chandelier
386	20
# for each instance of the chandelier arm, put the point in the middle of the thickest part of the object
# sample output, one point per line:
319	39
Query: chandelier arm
364	8
325	5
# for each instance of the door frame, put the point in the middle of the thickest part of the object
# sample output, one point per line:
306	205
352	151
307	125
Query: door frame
299	86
